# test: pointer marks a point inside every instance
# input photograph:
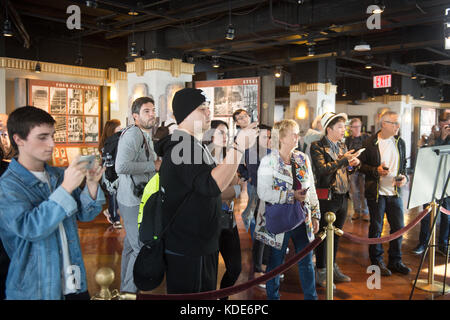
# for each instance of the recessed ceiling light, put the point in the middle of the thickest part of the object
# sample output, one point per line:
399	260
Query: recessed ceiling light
362	46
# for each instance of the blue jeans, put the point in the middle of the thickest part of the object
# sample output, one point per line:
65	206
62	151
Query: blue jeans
305	266
393	206
443	228
357	192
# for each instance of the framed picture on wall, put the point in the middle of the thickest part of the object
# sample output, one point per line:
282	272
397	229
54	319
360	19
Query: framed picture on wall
76	110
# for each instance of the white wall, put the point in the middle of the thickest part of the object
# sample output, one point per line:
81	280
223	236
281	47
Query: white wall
157	83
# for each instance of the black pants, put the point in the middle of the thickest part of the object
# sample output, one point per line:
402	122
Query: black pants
78	296
230	249
191	274
338	204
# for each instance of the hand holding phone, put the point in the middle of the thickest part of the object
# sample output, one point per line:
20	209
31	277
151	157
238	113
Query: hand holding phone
89	159
358	153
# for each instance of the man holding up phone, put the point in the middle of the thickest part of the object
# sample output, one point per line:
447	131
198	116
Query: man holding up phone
39	207
384	164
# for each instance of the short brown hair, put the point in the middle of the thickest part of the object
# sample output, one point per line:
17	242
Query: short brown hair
444	116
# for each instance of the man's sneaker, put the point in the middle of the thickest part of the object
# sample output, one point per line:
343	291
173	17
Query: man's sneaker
321	278
385	272
355	215
399	267
117	225
339	276
419	249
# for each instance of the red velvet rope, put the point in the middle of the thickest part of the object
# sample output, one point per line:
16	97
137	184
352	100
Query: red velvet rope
443	210
391	237
217	294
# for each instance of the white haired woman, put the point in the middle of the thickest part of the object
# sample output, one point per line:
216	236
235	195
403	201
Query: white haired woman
276	185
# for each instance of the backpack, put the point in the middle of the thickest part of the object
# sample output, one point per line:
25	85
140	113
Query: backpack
150	265
162	131
109	153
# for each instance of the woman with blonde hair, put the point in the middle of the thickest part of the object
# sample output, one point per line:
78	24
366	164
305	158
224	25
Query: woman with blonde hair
285	177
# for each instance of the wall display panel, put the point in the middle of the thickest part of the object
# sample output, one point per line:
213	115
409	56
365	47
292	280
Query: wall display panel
76	110
226	96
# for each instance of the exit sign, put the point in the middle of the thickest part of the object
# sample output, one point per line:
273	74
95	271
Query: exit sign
383	81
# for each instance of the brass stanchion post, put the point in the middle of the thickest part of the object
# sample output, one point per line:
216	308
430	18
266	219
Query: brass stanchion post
430	285
330	217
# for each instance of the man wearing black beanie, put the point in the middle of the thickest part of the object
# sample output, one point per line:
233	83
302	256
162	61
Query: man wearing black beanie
192	184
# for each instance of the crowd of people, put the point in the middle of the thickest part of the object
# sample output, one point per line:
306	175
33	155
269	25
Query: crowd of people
202	171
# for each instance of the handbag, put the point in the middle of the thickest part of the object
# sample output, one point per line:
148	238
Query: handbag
323	193
283	217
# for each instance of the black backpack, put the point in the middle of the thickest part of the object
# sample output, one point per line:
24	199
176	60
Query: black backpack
162	131
109	153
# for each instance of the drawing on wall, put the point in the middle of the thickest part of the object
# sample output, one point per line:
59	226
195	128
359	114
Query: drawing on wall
40	97
91	129
226	96
75	129
60	129
75	101
91	102
58	99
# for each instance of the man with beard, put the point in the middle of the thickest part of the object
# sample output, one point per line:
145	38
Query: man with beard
135	166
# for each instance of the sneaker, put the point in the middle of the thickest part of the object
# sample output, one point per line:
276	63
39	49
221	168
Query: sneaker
385	272
366	217
419	249
399	267
339	276
321	278
117	225
282	276
355	216
262	286
107	215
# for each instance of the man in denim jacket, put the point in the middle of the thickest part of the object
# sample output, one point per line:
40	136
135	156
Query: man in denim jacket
39	209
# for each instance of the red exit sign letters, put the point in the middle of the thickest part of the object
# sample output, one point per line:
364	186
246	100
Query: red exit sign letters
383	81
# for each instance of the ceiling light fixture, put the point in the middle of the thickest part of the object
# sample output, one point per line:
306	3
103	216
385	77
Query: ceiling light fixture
7	30
215	62
414	76
422	95
344	92
230	31
91	4
362	46
37	68
380	6
133	50
133	12
311	52
278	71
368	66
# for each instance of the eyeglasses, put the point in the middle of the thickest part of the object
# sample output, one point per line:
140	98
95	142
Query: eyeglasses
396	123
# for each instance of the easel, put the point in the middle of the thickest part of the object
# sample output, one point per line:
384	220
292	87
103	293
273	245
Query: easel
425	160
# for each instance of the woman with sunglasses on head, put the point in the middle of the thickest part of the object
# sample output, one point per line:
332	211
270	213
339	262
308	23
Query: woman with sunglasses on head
216	140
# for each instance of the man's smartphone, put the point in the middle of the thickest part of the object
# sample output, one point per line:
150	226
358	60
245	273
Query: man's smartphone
358	153
89	161
398	178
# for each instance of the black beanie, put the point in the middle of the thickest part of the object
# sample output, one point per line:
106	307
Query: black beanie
185	101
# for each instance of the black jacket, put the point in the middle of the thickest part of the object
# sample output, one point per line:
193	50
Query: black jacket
185	173
371	160
324	166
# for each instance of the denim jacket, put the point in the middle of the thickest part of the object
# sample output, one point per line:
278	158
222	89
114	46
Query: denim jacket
29	219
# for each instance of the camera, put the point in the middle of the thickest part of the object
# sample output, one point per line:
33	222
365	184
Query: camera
138	189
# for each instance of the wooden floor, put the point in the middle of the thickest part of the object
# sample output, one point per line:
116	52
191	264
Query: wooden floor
102	247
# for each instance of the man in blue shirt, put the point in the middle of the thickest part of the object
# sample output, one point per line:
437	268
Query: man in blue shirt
39	209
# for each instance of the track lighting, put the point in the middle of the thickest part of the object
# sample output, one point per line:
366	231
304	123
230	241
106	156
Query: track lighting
311	51
215	62
133	12
344	92
91	4
368	66
230	32
362	46
7	30
278	71
413	76
133	50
